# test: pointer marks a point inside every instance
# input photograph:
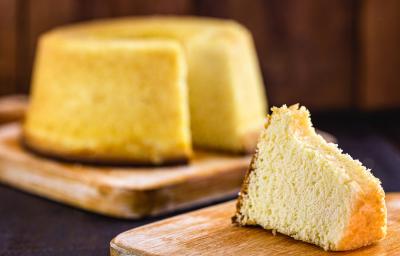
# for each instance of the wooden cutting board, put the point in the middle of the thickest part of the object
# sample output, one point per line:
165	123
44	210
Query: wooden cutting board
209	232
120	191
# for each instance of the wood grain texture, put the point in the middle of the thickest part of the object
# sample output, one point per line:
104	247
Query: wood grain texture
150	7
94	9
210	232
304	47
36	17
120	192
8	49
379	84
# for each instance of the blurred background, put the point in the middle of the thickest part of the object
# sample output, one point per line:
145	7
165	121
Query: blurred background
327	55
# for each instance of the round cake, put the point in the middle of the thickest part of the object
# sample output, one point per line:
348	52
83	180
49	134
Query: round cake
143	90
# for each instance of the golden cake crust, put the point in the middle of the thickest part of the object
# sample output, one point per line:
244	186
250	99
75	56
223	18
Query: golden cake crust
368	215
236	219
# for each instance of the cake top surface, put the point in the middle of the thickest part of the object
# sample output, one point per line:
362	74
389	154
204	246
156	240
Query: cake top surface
180	28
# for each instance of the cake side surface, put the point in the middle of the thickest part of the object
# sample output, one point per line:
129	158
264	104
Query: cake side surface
103	99
303	187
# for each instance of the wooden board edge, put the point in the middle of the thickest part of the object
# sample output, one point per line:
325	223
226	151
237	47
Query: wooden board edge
121	202
116	250
115	201
120	250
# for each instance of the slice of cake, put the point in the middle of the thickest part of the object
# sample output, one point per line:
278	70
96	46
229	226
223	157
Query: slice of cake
141	90
304	187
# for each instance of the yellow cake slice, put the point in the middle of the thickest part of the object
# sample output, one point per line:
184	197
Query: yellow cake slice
304	187
141	90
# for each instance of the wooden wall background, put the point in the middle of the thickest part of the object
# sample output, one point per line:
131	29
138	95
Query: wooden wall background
325	54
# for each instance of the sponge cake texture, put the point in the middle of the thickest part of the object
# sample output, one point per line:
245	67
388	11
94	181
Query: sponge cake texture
304	187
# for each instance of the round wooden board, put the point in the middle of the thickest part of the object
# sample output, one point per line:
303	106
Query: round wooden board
210	232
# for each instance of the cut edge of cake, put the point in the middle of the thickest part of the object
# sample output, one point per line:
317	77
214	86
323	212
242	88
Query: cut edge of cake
367	223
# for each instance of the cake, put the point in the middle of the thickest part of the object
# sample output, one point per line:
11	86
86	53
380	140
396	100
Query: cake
145	90
304	187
